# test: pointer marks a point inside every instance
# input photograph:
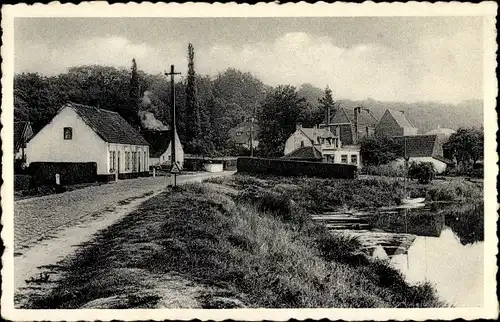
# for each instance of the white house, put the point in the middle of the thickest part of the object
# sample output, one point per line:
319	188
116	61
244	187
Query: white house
80	133
306	143
160	152
423	148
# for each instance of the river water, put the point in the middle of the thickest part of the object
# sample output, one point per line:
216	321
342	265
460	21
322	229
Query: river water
447	248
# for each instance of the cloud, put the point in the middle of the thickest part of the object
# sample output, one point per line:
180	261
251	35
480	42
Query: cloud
433	68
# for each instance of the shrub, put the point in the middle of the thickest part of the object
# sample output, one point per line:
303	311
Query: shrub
21	182
424	172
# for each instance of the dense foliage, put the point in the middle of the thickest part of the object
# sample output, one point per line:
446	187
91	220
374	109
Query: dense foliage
465	146
424	172
378	150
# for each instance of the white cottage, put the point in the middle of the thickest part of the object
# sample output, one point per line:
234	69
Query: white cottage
160	152
80	133
321	145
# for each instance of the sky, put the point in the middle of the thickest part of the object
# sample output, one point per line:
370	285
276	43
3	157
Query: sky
384	58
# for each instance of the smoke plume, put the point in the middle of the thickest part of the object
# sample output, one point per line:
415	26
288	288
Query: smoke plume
148	119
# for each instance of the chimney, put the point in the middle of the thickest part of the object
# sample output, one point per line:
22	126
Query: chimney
298	126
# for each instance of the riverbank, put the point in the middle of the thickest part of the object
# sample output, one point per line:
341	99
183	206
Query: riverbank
236	242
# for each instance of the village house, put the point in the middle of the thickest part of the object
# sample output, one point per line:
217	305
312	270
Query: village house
395	123
242	134
423	148
160	151
351	125
319	144
80	133
22	133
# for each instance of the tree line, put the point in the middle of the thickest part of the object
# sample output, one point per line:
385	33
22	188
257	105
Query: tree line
207	107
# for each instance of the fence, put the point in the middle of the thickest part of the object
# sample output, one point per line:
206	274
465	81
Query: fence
296	168
43	173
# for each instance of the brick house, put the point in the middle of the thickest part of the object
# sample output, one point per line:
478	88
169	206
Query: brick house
395	123
343	124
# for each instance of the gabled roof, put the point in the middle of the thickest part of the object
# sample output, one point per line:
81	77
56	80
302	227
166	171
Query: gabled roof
22	133
305	153
400	118
420	145
109	125
244	132
313	133
343	116
158	141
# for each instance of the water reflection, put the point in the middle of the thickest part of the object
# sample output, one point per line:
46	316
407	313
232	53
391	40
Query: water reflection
447	251
439	243
456	270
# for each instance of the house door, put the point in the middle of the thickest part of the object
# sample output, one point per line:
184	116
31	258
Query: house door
118	165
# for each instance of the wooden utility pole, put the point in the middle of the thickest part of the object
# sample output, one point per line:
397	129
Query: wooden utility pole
174	169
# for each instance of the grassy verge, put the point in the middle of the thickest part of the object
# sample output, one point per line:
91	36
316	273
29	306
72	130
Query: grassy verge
256	243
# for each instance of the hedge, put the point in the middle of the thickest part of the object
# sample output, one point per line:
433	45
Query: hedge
296	168
44	173
21	182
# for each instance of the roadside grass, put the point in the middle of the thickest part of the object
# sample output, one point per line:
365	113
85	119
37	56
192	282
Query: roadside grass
258	245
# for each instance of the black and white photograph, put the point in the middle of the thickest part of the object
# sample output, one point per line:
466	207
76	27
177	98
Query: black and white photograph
228	159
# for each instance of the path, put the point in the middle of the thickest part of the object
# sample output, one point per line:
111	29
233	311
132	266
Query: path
49	228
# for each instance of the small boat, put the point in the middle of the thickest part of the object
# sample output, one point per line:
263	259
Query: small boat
411	201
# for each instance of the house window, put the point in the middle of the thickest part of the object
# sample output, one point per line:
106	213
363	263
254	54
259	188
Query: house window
354	159
112	160
68	133
343	158
302	143
127	160
145	161
169	158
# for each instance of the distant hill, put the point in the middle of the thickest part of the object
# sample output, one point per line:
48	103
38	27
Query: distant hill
425	115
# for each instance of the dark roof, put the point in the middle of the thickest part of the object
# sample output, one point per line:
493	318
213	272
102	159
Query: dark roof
420	145
22	133
109	125
365	118
312	133
158	141
305	153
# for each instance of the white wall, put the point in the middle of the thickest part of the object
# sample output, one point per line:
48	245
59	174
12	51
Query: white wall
142	164
294	142
179	152
337	156
438	165
49	145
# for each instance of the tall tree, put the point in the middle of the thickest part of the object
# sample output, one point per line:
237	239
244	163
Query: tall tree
192	108
279	114
130	111
327	104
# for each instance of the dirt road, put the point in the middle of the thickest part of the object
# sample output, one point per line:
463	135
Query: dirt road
48	228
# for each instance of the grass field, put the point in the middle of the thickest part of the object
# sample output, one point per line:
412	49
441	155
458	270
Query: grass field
251	238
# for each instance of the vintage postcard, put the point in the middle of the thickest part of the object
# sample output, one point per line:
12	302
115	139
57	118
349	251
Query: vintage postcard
249	162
